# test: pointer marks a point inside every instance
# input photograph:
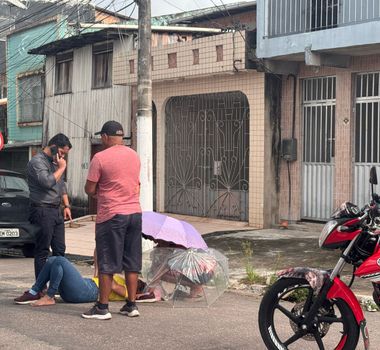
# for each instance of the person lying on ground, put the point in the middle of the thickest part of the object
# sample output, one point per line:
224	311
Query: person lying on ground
66	280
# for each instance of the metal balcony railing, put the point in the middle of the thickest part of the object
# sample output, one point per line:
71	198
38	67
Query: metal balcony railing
287	17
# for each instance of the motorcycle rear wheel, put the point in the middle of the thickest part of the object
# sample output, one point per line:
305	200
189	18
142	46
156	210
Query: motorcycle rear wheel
281	310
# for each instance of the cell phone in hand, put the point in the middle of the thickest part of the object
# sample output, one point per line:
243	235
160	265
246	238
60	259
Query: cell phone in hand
54	151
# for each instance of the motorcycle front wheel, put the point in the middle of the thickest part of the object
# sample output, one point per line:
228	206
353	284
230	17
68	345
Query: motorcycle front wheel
284	306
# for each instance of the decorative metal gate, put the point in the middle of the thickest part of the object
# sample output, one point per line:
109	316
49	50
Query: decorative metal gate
367	132
318	96
206	155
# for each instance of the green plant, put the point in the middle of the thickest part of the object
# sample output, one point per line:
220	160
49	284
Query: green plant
369	304
271	279
297	295
252	276
247	249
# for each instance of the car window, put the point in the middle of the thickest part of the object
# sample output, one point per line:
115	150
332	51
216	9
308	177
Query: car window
13	184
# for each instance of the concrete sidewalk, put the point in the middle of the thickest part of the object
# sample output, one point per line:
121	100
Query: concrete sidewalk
272	249
80	234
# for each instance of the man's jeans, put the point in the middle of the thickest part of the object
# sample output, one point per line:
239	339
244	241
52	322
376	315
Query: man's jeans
66	279
52	234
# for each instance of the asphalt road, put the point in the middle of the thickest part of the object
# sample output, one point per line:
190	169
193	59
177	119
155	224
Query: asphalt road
230	323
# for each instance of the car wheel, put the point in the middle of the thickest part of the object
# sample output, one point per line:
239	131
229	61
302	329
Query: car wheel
28	250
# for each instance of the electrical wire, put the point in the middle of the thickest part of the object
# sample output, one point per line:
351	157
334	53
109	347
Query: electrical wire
257	59
100	21
52	31
53	66
49	9
176	7
36	59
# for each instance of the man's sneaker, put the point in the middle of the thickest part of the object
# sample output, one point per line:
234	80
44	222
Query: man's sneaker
146	298
98	314
27	298
131	311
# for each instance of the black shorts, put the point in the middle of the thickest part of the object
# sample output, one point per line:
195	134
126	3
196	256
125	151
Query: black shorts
118	244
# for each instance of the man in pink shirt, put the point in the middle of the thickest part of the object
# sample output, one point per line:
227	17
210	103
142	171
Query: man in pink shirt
114	177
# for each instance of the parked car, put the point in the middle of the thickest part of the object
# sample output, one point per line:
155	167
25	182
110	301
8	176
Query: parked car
15	229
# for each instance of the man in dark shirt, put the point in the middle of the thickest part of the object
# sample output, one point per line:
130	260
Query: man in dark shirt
47	192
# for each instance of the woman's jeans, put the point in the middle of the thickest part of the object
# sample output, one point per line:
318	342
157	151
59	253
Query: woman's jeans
66	279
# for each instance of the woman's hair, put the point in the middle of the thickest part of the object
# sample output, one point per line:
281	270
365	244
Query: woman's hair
60	140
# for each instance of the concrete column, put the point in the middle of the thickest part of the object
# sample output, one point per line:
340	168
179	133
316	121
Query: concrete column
344	123
294	167
257	155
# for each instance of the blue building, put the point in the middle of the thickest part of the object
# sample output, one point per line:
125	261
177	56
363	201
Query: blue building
25	73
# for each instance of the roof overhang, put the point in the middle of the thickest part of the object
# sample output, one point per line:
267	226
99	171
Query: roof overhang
76	41
216	12
17	3
109	32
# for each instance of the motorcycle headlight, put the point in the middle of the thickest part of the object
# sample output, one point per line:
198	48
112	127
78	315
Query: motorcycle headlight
327	229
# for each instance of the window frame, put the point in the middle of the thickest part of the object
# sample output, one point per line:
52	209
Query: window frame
65	60
33	120
105	50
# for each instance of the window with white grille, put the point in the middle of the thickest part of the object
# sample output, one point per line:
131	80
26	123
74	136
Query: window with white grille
30	98
318	95
367	118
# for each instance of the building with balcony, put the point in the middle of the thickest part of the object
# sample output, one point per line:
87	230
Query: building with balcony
327	55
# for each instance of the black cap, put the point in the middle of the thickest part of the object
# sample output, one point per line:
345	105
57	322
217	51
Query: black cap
111	128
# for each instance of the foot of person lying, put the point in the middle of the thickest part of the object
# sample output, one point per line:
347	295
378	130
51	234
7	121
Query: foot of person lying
44	301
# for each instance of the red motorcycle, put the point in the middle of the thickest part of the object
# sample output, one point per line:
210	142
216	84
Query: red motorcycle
308	308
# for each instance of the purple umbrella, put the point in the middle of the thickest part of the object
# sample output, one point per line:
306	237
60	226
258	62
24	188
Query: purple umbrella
161	227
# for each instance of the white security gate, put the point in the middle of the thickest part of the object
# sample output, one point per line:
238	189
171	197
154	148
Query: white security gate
318	102
367	133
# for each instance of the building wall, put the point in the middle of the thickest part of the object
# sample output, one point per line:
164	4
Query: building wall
246	20
82	113
20	62
252	84
234	58
104	17
344	140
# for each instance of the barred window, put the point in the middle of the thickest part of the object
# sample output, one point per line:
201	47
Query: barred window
367	118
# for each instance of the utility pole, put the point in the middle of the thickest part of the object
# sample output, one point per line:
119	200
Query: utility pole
144	104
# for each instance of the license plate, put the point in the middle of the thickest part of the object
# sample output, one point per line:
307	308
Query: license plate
9	232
